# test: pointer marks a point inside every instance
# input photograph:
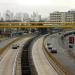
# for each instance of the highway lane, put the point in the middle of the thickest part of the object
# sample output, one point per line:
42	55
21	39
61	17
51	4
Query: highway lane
42	65
66	43
7	63
62	55
6	41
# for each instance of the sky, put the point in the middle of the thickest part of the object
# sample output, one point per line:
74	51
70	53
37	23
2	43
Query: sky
43	7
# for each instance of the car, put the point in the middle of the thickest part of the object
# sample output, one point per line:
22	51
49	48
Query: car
70	46
15	46
50	47
48	44
59	33
54	50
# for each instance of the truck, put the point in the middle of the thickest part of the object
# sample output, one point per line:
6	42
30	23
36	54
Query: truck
71	39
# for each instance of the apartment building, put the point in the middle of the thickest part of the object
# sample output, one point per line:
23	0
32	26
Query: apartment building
62	16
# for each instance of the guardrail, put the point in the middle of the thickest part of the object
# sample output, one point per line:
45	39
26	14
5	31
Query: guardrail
27	64
18	55
33	68
15	62
42	26
62	69
37	24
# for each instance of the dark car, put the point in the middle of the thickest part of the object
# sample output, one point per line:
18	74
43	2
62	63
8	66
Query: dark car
50	47
70	46
53	50
48	44
15	46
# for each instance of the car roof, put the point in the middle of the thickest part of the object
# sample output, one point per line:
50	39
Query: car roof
50	46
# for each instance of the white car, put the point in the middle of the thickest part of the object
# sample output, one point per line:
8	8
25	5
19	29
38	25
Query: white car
50	47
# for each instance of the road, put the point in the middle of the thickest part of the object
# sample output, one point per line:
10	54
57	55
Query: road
66	43
7	63
42	65
5	41
62	56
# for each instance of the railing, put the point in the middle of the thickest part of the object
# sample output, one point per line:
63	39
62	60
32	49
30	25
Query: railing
37	24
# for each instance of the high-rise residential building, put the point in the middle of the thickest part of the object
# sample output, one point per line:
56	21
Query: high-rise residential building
26	17
57	16
19	16
35	17
1	18
8	15
70	16
62	16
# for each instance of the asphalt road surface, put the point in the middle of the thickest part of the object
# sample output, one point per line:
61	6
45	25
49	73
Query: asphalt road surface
5	41
62	56
42	65
7	63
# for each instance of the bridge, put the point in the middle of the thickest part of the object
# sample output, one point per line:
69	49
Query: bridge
37	24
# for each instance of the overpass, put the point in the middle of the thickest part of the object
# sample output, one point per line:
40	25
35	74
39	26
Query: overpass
37	24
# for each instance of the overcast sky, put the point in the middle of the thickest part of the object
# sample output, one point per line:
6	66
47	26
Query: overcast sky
43	7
